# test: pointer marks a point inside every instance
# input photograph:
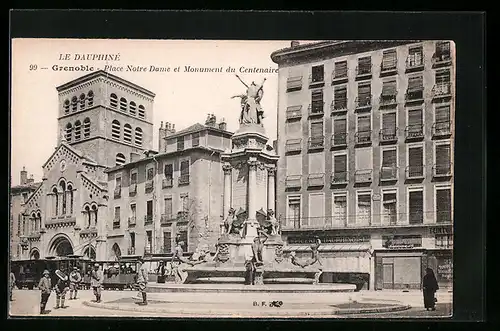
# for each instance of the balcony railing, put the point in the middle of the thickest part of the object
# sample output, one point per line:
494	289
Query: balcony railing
293	145
148	219
339	76
414	132
294	83
131	251
166	218
294	181
116	223
184	179
316	108
441	90
415	172
414	63
441	60
388	173
363	137
388	100
441	129
363	72
131	221
339	139
442	170
294	112
117	193
363	176
388	135
167	182
316	81
338	106
148	186
314	180
132	190
339	178
316	142
364	102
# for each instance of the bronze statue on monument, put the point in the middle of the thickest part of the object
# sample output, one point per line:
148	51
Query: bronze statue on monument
251	110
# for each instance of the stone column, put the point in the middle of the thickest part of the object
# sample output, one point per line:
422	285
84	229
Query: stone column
227	188
252	208
271	175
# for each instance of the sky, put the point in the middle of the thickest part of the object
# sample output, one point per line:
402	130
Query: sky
181	98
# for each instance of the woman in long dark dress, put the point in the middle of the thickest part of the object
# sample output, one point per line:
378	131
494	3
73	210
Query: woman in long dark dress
430	286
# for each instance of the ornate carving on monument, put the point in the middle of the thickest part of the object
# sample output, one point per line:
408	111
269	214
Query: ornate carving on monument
278	253
227	169
316	277
271	171
223	254
252	164
259	276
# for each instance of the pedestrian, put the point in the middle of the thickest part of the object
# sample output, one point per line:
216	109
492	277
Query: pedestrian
61	288
161	272
75	279
142	280
12	285
45	286
430	286
249	265
96	279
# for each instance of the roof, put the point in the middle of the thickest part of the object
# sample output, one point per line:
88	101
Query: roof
26	187
197	127
106	74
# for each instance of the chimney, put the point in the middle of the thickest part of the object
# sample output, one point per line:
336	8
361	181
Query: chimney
223	124
162	133
24	176
294	43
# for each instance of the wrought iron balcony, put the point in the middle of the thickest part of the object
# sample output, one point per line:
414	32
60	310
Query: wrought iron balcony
363	137
388	100
293	145
167	182
441	60
441	129
316	142
339	139
338	106
117	193
388	173
294	83
415	172
441	90
339	76
363	72
315	180
414	63
364	103
414	132
166	218
116	223
387	136
148	219
316	109
184	179
442	170
294	181
131	221
316	81
363	176
132	190
148	186
339	178
293	112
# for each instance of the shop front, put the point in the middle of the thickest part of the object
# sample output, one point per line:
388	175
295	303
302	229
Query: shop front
441	262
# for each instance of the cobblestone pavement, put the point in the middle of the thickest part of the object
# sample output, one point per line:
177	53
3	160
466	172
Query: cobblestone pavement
26	303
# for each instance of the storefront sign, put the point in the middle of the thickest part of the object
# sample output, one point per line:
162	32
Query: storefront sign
330	240
445	270
402	242
441	230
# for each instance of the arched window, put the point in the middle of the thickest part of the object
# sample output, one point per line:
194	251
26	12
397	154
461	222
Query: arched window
142	111
56	202
78	130
70	198
138	136
66	106
63	190
115	129
74	104
86	127
132	108
127	133
120	159
123	104
113	100
90	99
38	221
94	210
87	214
82	101
33	222
69	131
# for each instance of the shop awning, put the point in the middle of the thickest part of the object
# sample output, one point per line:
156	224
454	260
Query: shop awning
330	248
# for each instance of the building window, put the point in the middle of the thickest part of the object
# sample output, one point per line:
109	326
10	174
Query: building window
180	143
142	111
183	236
69	132
339	168
87	213
78	130
339	131
317	101
116	220
389	92
444	241
127	133
316	140
133	210
415	127
123	104
415	57
364	133
340	98
443	52
133	178
132	108
185	202
443	86
149	210
94	210
118	183
389	60
74	104
339	209
340	69
82	101
389	208
294	212
86	128
389	127
442	119
415	89
389	164
364	95
195	139
169	175
167	242
90	99
317	74
416	206
415	161
364	165
66	107
150	173
184	178
364	212
115	129
364	65
63	190
113	100
138	136
443	159
71	198
443	205
168	208
148	249
120	159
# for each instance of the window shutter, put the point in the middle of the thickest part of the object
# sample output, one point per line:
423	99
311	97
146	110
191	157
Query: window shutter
317	129
416	207
389	123
442	77
443	114
443	205
415	117
389	198
340	95
168	207
389	88
167	242
364	91
415	56
364	123
443	155
364	63
389	158
340	163
389	59
340	209
415	84
317	96
340	126
318	73
341	69
415	156
184	168
442	48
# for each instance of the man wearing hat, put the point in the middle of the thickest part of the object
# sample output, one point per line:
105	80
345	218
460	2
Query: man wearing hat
75	279
142	280
96	279
61	288
45	287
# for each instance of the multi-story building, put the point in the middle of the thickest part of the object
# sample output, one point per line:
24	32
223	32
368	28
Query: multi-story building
365	139
173	194
19	227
